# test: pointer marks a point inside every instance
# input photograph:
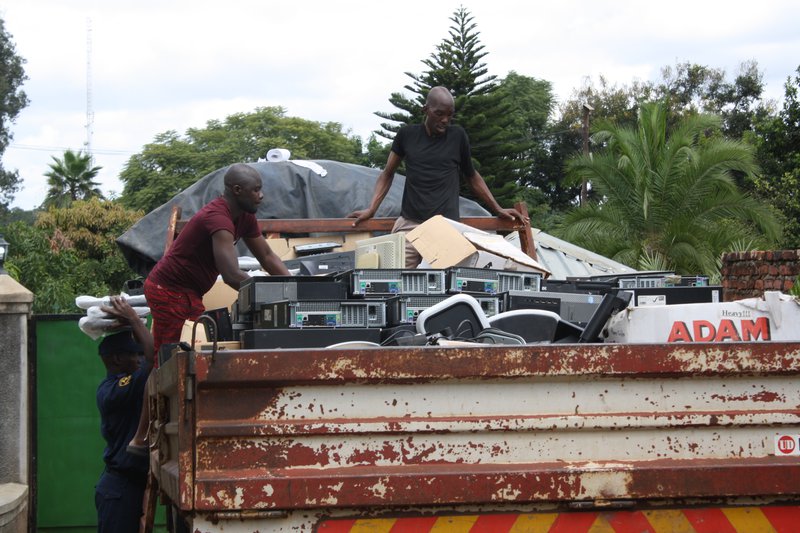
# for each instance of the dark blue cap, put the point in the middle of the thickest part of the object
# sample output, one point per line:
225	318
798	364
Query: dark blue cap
119	343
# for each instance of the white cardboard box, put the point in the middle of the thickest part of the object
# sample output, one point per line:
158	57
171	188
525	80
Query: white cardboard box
444	243
483	259
776	317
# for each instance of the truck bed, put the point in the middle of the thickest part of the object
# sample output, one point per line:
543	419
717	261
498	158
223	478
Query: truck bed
554	426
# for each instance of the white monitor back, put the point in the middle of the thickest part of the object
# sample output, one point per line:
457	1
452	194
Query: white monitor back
389	250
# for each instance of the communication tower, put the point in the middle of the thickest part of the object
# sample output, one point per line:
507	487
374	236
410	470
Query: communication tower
89	110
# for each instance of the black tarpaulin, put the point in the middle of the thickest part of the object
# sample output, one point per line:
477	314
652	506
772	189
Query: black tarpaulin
291	190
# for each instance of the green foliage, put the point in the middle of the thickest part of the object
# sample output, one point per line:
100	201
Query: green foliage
377	153
668	200
173	162
12	100
531	102
68	252
608	102
686	89
71	178
795	290
17	214
777	141
690	88
541	214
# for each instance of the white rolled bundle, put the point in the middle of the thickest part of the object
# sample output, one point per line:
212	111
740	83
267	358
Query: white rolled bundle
97	322
96	312
85	302
277	155
97	327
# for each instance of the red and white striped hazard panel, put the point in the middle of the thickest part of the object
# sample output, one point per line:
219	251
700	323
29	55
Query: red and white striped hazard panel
704	520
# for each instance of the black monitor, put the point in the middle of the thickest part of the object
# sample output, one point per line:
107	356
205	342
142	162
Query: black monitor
611	304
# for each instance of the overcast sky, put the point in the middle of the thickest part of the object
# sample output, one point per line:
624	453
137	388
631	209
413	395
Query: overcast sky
171	65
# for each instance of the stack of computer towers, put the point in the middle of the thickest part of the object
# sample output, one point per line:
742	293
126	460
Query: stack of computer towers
299	312
360	304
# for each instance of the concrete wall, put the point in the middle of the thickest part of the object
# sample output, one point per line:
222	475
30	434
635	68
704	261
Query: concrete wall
749	274
15	307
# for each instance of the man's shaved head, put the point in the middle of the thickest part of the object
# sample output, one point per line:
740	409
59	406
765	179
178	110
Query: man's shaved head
438	109
242	175
243	187
439	95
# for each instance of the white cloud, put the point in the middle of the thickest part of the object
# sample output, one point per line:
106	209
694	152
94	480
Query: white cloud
158	66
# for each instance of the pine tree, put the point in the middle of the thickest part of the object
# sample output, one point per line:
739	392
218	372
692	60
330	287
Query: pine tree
480	109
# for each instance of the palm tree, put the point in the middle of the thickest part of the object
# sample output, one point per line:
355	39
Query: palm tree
668	202
70	179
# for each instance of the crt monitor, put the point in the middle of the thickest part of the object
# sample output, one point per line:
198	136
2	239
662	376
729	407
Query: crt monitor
389	250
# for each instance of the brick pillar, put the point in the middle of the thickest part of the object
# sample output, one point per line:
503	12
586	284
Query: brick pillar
749	274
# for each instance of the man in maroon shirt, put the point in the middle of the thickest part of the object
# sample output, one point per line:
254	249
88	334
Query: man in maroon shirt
204	249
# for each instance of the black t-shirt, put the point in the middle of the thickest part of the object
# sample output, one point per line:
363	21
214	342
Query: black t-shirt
434	167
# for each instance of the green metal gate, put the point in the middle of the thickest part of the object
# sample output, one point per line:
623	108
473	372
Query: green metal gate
67	455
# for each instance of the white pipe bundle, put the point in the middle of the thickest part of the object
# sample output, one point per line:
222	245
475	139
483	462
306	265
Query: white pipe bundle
97	323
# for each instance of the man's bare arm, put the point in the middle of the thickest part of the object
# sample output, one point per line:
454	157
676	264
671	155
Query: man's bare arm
268	259
226	259
481	190
382	186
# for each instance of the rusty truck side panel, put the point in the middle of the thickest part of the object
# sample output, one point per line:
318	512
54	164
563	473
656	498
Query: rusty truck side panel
253	431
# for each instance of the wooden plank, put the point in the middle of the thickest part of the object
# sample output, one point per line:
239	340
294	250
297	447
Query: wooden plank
173	227
275	227
345	225
526	242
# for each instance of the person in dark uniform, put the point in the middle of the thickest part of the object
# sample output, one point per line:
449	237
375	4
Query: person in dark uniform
127	356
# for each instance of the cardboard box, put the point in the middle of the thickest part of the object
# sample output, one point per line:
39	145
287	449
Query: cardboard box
444	243
281	248
776	317
219	296
351	240
482	259
201	342
199	333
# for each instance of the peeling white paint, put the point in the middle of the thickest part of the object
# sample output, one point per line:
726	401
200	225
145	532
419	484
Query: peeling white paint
506	493
329	500
379	489
422	403
605	484
238	500
345	365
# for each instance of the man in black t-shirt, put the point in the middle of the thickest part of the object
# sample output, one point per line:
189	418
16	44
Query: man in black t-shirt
437	155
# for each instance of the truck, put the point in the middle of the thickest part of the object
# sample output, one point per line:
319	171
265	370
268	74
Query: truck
682	436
